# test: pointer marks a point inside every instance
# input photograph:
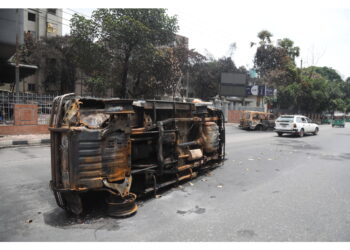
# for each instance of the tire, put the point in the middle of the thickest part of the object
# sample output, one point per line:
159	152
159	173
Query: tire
301	133
259	128
279	134
316	131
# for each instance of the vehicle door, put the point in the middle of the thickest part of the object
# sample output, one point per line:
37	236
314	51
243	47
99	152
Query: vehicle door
304	124
311	125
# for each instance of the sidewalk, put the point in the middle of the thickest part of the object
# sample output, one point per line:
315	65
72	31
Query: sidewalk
24	140
39	139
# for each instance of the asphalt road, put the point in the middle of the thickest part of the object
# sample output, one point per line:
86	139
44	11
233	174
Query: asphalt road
268	189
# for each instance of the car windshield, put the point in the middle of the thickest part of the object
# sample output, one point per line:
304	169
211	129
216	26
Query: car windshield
285	119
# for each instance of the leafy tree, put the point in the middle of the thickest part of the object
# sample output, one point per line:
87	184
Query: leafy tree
287	44
125	34
55	57
265	37
206	76
325	72
275	64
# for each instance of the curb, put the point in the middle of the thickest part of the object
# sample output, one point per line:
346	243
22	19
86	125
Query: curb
14	143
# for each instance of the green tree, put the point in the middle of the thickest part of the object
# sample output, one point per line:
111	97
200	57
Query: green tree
126	33
55	58
288	44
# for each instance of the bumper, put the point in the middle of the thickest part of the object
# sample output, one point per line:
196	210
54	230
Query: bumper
288	131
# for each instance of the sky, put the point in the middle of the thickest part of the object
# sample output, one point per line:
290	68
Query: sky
321	29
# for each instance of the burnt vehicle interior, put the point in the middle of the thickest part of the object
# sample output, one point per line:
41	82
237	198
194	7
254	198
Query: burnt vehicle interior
124	149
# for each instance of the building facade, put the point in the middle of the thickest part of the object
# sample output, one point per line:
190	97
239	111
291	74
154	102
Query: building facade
37	23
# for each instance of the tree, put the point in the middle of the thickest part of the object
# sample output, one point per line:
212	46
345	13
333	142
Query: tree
265	37
206	75
326	72
124	34
55	58
287	44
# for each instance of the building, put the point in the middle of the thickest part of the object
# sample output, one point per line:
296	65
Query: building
37	23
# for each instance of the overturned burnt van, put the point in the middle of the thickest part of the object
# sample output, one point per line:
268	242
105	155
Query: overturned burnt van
121	149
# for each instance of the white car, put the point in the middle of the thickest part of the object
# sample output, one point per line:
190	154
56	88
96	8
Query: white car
295	124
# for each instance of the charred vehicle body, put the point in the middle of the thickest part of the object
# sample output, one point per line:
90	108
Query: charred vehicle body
122	149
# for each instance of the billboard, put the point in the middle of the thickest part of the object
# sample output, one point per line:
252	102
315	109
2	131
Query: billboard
233	78
233	84
259	90
232	90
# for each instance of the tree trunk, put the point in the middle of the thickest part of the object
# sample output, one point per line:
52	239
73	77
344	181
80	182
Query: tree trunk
124	91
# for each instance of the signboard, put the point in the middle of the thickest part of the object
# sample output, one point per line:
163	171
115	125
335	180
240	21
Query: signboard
259	91
232	90
234	78
233	84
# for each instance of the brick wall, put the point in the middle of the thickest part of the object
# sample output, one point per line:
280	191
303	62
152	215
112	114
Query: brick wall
26	114
25	121
234	116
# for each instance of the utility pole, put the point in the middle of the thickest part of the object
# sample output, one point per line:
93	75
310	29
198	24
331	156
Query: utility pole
187	80
17	56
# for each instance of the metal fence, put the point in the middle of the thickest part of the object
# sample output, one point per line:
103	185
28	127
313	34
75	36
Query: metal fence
8	99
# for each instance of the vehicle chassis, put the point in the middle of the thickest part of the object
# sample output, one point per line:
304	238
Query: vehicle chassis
127	148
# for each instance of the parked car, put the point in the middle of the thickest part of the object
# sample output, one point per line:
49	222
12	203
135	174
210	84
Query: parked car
295	124
254	120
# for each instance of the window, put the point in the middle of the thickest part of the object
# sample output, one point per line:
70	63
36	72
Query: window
298	120
31	17
51	11
255	116
303	120
31	87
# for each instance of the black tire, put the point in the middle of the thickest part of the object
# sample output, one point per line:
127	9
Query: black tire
316	131
259	128
279	134
301	133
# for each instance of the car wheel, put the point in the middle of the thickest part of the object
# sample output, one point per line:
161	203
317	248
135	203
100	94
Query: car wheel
301	133
259	128
316	131
280	134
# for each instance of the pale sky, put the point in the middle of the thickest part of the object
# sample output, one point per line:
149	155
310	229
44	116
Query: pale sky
322	31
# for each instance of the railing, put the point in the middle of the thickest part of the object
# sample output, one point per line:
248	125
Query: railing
8	99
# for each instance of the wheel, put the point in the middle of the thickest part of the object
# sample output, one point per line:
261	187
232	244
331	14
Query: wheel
301	133
316	131
120	207
259	128
280	134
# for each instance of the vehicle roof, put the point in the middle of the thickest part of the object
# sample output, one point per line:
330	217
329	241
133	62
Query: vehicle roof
292	115
256	112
